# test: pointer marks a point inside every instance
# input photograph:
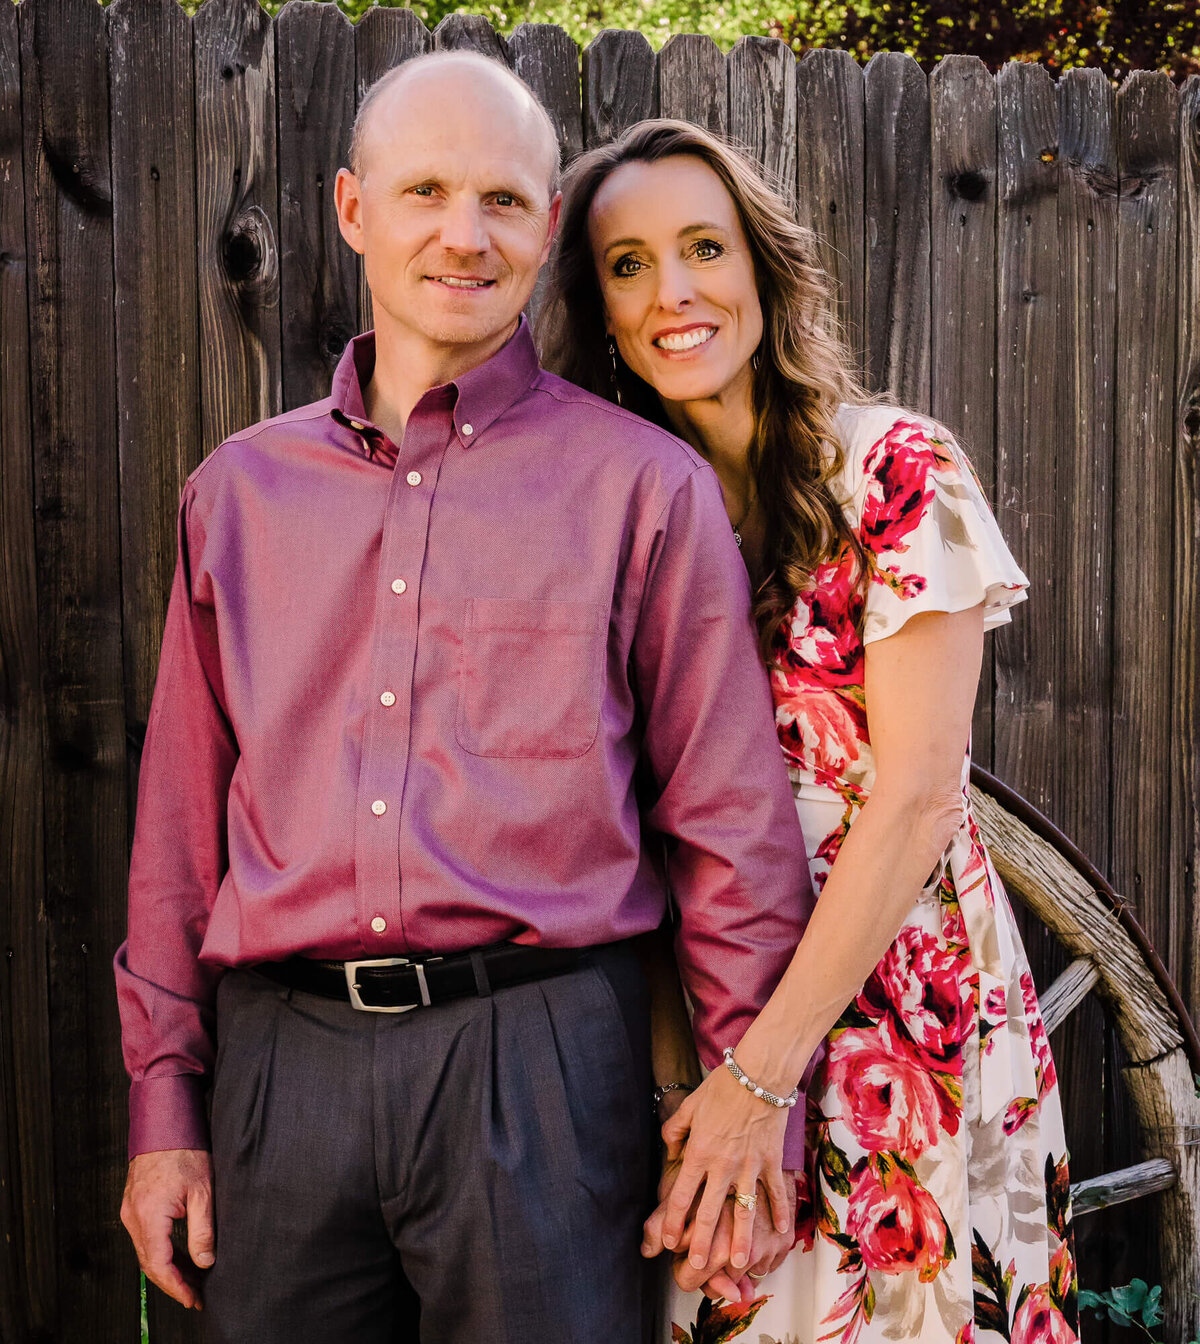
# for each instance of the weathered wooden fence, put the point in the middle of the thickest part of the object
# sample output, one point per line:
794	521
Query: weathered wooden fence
1018	256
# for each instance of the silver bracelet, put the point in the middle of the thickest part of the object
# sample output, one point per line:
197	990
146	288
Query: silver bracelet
751	1086
664	1088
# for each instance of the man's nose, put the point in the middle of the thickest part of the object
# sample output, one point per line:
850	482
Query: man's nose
675	290
464	228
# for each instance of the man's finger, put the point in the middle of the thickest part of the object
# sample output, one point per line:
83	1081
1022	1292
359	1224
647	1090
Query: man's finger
721	1285
674	1132
156	1255
201	1241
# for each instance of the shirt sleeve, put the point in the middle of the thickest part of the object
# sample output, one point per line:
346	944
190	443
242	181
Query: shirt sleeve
165	995
929	533
721	795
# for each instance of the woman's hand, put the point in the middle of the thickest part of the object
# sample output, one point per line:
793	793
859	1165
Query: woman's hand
726	1139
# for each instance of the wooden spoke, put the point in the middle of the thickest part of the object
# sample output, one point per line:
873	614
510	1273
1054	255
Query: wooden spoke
1067	993
1119	1186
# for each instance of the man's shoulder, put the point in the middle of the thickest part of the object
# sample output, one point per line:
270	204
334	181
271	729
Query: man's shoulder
614	429
263	436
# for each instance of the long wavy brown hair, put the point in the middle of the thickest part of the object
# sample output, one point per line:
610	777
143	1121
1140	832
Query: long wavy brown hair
802	369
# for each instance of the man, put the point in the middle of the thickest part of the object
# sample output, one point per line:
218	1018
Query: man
422	637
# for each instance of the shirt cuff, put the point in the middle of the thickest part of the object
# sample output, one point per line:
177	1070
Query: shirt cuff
168	1112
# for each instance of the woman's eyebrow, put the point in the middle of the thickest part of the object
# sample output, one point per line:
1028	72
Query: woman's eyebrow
703	228
622	242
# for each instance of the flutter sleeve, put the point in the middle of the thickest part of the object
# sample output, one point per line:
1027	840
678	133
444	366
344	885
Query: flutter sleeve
931	539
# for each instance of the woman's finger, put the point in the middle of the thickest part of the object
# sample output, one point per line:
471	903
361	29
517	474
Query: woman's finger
679	1203
745	1202
704	1225
781	1203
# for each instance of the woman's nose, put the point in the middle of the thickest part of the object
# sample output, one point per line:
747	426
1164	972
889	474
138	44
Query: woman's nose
674	288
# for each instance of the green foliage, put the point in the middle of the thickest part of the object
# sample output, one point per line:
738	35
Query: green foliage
1135	1305
1117	36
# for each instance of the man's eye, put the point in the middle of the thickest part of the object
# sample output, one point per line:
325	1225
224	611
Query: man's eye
626	266
708	250
424	190
505	198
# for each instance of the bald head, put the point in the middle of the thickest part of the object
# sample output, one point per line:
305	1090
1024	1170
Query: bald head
448	78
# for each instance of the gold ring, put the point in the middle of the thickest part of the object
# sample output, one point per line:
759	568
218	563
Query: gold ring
753	1275
748	1202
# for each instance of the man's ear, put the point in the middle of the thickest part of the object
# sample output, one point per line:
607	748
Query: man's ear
347	198
555	220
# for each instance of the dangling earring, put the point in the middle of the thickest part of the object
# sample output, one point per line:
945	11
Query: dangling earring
612	354
756	359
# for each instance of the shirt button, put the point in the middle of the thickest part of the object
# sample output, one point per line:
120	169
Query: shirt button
379	807
354	424
413	478
379	924
398	585
468	430
387	698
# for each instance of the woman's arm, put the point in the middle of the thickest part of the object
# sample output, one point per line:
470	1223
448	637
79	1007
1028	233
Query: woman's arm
920	691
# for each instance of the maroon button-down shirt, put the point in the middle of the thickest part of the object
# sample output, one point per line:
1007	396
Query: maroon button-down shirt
427	696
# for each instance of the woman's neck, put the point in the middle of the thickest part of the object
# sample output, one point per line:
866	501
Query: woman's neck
721	429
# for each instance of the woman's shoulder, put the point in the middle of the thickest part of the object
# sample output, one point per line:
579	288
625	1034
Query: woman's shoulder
872	433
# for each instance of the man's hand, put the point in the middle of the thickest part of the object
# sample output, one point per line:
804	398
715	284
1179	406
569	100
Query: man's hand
769	1250
160	1188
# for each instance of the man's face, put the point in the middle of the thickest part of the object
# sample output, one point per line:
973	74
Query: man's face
453	214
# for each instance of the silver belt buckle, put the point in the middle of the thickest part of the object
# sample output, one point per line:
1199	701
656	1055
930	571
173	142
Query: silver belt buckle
351	969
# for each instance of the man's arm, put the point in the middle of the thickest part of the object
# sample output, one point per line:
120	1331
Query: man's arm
738	865
165	995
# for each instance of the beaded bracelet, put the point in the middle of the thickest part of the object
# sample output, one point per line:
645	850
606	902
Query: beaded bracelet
751	1086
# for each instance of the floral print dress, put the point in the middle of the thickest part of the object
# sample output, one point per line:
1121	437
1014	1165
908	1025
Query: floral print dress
935	1206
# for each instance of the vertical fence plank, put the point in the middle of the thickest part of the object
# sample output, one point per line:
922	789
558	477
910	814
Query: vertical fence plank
692	83
158	384
237	216
546	58
830	154
68	195
1087	320
897	138
618	84
762	94
1148	116
1081	592
318	283
470	32
962	98
1185	734
383	38
548	61
27	1262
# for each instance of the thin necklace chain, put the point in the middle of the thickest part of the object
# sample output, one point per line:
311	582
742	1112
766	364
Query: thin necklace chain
741	522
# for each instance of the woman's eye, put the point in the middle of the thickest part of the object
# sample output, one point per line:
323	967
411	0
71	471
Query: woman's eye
708	250
626	266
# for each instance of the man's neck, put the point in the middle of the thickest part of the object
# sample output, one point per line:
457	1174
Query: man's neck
407	366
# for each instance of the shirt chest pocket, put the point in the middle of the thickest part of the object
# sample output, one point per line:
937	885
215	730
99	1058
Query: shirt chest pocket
531	678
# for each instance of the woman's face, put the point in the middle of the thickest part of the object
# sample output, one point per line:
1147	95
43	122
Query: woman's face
676	276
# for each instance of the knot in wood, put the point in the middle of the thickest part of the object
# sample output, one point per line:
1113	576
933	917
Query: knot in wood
969	185
250	256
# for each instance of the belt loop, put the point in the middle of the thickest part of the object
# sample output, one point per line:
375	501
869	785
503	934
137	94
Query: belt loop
483	986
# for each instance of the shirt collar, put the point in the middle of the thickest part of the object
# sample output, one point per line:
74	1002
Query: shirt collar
484	393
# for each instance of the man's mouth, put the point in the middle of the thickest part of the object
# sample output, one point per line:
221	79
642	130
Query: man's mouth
678	341
461	281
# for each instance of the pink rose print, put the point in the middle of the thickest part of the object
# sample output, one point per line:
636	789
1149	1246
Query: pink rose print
896	1221
889	1101
1047	1076
899	489
816	729
966	1333
1039	1321
819	642
926	988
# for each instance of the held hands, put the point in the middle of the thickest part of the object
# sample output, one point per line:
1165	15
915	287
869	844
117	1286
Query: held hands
161	1187
721	1139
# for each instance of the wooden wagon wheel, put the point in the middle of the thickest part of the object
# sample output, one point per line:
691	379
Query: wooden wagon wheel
1113	956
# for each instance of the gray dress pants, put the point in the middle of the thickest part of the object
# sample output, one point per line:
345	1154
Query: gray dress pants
476	1171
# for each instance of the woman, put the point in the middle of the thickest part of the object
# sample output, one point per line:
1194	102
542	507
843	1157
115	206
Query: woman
935	1206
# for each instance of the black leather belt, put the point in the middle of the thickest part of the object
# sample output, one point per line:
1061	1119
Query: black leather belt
398	984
